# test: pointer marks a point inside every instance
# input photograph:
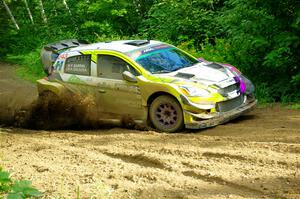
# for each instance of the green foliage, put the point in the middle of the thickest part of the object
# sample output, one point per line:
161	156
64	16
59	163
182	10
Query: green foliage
30	65
218	52
179	21
4	181
16	189
4	29
23	189
261	38
264	43
295	106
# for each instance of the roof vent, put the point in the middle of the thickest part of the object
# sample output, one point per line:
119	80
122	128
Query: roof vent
214	65
138	42
184	75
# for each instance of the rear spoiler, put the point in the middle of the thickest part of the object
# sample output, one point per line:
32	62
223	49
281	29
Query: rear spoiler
65	44
50	52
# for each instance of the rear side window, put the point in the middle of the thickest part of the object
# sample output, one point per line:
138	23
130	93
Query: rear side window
112	67
78	65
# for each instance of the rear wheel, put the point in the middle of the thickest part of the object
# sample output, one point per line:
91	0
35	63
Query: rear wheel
166	114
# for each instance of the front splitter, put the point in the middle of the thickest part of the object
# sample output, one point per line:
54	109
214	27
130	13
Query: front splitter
222	118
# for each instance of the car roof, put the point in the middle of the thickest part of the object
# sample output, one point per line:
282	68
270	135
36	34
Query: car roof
120	46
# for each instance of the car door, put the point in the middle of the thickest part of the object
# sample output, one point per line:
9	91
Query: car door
119	98
79	77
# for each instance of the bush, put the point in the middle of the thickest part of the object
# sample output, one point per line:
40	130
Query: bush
30	65
11	189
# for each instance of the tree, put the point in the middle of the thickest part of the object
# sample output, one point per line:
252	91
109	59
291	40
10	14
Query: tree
181	20
11	15
29	12
265	42
43	11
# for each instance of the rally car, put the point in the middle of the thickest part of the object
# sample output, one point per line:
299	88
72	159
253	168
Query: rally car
151	82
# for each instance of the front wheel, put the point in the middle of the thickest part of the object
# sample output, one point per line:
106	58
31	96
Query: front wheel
166	114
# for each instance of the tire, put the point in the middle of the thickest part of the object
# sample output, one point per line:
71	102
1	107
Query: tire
166	114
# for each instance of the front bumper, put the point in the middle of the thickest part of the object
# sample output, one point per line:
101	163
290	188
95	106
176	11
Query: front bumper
195	121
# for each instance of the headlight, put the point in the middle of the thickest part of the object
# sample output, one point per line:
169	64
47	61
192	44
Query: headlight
195	92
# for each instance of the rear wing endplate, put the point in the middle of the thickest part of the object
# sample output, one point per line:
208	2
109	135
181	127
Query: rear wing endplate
50	52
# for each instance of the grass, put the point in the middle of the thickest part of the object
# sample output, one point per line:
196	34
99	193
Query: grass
294	106
30	66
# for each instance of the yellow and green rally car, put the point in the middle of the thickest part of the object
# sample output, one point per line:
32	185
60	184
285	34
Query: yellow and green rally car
149	81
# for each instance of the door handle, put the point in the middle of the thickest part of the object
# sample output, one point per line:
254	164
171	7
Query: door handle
101	91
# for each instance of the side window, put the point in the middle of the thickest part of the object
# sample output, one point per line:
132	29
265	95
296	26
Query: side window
78	65
112	67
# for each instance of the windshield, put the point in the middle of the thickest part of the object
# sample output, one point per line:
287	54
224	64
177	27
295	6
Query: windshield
164	60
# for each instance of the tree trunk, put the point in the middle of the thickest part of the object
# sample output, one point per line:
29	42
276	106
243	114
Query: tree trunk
67	7
10	14
43	11
29	12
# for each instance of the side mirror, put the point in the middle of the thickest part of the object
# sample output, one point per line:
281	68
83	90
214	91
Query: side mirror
128	76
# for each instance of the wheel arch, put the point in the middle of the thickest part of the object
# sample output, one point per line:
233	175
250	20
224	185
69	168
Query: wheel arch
46	86
153	96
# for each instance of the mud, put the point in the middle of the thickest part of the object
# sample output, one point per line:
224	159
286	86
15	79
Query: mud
254	156
51	112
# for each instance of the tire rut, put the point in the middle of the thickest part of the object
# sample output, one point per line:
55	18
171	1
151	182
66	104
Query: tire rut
220	181
138	159
226	156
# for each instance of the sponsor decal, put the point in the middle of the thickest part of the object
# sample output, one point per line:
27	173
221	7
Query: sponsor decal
233	94
140	53
79	65
227	82
58	65
75	79
63	56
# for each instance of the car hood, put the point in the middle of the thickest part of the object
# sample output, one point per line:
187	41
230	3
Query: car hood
204	73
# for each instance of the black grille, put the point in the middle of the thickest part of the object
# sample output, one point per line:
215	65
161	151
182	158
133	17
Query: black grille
229	104
229	89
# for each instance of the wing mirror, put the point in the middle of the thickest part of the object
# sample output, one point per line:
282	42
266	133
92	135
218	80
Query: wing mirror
128	76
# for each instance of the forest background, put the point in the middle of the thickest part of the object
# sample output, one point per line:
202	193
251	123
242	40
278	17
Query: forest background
260	37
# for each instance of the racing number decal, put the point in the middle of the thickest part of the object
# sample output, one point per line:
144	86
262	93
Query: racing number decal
58	65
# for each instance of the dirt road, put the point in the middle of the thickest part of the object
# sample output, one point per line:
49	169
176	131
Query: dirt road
14	93
255	156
